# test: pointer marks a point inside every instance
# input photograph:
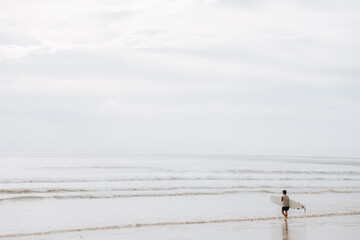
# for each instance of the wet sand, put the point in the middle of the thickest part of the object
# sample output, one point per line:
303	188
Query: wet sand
311	228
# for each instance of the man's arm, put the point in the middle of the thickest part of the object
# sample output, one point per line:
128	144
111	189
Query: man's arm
282	198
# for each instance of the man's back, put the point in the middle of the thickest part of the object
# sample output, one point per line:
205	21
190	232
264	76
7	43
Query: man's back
285	200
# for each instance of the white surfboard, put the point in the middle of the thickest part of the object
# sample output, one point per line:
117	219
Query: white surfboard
293	204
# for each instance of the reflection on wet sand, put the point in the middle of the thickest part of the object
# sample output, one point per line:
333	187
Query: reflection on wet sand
285	231
294	230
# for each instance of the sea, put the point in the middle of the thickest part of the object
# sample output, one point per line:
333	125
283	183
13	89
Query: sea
46	194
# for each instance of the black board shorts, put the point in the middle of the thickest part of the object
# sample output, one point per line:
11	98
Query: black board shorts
285	208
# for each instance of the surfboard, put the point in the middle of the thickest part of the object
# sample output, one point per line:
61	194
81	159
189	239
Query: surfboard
293	204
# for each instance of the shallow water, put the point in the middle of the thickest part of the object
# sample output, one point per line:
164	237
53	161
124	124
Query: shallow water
47	193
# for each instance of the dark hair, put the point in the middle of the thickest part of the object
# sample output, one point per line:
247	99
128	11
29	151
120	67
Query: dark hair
284	191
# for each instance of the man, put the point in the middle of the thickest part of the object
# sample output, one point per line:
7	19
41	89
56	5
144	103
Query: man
285	206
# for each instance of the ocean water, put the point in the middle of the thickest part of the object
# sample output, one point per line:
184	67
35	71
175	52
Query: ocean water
43	194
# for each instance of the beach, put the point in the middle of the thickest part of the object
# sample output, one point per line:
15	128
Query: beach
314	228
64	196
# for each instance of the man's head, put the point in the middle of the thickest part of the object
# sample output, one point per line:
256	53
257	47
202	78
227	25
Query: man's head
284	192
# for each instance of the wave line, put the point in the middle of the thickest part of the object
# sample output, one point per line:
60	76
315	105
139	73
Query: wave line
114	227
2	181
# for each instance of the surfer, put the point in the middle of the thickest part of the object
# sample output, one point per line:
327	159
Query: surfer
285	204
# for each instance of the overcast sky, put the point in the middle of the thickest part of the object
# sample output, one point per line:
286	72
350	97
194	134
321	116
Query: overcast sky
180	76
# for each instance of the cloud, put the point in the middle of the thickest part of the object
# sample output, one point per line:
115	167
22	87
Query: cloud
16	52
115	15
17	39
196	76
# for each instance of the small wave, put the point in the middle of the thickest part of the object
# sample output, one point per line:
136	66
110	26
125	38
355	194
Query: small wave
29	191
60	180
165	194
292	172
159	224
68	190
242	171
117	195
309	189
113	167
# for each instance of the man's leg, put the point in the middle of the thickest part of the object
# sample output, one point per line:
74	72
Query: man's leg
286	215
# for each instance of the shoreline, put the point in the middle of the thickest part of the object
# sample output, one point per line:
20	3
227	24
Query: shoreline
143	225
